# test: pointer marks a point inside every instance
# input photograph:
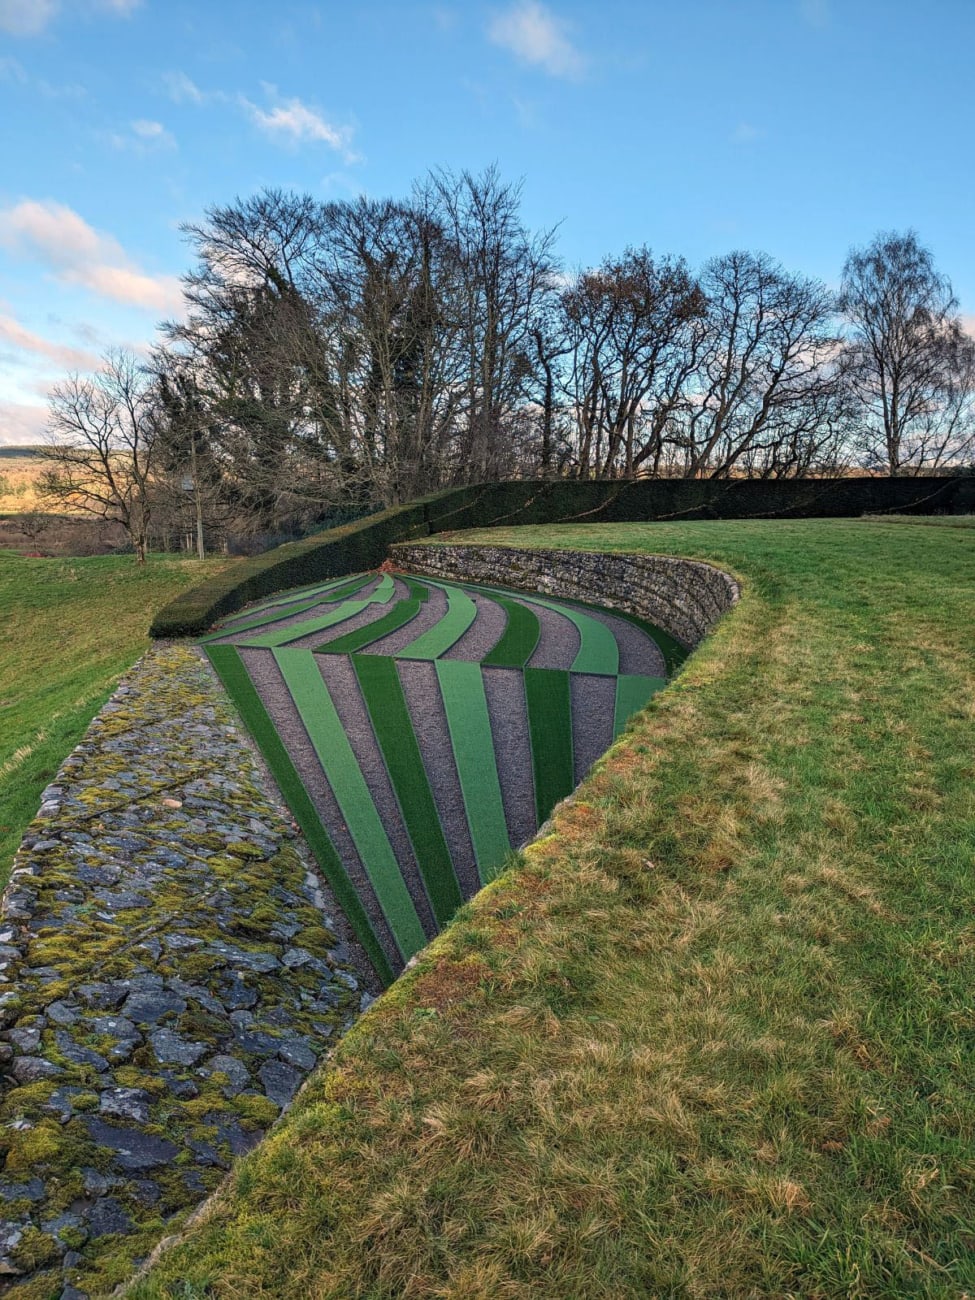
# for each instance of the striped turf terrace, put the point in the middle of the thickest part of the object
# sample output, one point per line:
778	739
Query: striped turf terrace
376	799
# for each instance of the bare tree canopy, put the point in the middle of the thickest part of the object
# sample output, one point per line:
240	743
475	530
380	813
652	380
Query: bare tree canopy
633	329
909	362
341	356
765	386
103	437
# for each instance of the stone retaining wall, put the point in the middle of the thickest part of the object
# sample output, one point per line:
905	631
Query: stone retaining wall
684	597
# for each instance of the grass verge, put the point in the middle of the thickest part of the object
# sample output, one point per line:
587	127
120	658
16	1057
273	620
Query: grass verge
68	629
713	1037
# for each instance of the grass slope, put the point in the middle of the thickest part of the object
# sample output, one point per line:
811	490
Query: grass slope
384	699
404	611
713	1038
68	629
232	672
328	737
461	613
519	639
549	701
632	693
472	741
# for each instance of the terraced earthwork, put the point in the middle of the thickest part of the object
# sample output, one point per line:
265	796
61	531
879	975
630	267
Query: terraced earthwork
421	729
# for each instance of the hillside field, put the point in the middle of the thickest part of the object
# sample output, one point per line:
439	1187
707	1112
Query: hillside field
20	468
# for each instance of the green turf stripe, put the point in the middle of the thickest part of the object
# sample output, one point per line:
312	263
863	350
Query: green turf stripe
300	593
350	588
231	670
517	644
632	693
418	590
461	612
263	621
279	612
348	609
673	652
598	651
549	701
331	744
383	694
462	688
402	612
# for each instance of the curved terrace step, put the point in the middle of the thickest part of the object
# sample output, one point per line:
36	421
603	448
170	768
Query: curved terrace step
416	785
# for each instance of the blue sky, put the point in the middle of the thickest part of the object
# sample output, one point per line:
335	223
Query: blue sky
798	127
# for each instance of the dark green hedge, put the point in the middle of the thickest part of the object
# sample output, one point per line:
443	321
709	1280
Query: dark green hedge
364	544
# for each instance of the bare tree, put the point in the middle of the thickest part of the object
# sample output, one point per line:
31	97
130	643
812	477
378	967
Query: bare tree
766	382
908	360
504	274
633	330
386	285
102	440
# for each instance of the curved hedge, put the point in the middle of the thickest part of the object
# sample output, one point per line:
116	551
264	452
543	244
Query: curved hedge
364	545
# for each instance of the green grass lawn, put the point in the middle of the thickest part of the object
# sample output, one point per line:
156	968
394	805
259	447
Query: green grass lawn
712	1037
937	521
68	629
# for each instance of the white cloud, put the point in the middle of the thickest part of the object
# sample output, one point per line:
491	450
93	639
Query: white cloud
11	70
968	323
149	130
745	133
22	424
182	90
31	17
535	35
15	74
146	135
23	340
75	253
297	123
815	12
26	17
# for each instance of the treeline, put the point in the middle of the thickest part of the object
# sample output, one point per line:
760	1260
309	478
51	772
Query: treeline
362	353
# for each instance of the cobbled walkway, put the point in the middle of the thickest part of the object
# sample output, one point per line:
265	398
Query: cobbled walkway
170	978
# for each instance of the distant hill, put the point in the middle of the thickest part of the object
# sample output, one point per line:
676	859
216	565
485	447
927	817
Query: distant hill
20	453
20	468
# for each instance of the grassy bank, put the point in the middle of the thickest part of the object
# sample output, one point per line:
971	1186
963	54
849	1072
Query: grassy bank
68	629
713	1037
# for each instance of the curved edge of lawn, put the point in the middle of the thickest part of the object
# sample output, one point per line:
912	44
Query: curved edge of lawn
438	979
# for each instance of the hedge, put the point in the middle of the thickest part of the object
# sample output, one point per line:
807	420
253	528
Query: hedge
364	544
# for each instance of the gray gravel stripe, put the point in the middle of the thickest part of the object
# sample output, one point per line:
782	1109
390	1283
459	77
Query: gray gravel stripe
593	713
340	678
264	673
371	614
559	641
483	634
313	611
639	653
431	612
423	699
505	692
277	607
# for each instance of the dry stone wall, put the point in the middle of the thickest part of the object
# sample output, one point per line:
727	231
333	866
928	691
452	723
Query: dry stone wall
684	597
